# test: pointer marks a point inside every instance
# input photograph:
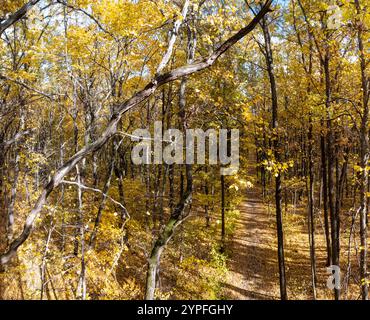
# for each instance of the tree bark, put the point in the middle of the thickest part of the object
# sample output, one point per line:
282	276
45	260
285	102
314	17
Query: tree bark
325	198
275	127
364	158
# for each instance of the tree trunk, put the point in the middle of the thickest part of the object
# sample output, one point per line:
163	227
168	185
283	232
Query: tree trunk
311	217
325	198
223	233
275	127
364	159
334	218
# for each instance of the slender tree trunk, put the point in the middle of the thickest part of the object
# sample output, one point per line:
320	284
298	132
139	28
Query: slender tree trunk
81	288
206	206
3	215
10	229
334	218
275	128
325	198
177	217
180	212
311	217
364	159
44	261
103	201
3	221
223	233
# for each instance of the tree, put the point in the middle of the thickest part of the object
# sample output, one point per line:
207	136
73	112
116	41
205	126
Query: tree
111	129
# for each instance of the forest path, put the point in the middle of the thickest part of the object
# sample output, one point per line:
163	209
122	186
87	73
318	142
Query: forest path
252	263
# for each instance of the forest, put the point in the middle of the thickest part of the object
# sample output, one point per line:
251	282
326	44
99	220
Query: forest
184	149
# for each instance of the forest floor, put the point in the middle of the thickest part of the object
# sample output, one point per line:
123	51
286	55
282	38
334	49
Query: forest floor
252	255
252	264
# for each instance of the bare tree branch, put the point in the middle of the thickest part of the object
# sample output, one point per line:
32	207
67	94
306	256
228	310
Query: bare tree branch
26	86
16	16
111	129
16	138
173	37
98	23
96	190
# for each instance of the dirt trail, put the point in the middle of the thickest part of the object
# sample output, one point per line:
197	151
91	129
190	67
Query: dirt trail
253	264
253	268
